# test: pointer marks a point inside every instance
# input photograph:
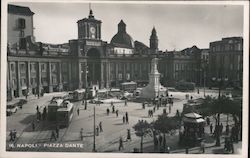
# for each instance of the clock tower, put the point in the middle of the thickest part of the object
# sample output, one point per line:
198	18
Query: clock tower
89	28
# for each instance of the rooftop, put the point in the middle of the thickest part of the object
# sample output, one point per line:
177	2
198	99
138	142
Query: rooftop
14	9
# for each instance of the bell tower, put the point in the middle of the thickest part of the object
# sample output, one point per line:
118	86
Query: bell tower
153	40
89	28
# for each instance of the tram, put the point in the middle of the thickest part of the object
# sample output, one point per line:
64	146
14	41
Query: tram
54	104
65	114
79	94
129	86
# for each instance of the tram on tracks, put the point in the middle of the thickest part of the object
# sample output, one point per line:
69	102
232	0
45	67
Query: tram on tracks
65	114
79	94
53	106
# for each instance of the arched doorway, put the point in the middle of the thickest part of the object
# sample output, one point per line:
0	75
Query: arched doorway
94	66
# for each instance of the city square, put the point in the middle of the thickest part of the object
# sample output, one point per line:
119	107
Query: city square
124	96
113	127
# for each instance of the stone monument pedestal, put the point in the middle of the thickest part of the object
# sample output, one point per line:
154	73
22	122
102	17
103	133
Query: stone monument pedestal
154	88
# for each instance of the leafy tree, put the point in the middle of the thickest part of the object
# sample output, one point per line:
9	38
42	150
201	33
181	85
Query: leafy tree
166	125
221	105
142	129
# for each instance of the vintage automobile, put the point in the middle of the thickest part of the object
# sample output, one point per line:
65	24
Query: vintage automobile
22	102
11	108
95	101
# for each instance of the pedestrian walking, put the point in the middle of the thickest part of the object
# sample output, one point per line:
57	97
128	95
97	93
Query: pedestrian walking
14	134
177	113
120	144
232	147
160	139
113	109
128	134
126	116
11	135
57	131
202	147
123	119
143	105
33	125
116	113
227	129
208	121
107	111
97	130
211	128
78	111
44	113
155	143
81	133
125	103
198	91
100	126
168	149
53	136
191	97
221	128
226	146
154	108
37	108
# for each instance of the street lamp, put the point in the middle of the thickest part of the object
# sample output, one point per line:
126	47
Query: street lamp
204	63
86	86
220	83
94	149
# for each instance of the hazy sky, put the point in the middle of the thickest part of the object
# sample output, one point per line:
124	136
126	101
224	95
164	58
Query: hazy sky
177	26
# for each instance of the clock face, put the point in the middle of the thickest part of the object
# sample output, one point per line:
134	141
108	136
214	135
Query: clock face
92	29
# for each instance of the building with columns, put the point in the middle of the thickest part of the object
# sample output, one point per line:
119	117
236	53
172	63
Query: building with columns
35	67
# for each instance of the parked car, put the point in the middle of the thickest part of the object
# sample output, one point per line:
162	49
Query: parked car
22	102
95	101
11	108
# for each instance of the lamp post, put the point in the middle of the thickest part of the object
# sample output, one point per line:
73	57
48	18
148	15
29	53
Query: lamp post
204	67
86	86
220	81
94	150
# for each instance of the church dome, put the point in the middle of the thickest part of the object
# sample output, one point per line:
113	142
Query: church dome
122	38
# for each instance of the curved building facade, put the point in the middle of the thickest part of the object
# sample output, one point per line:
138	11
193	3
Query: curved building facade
35	67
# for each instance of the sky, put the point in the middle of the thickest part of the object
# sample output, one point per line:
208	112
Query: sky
177	26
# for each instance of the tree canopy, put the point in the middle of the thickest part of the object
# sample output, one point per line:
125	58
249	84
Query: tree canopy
167	124
211	106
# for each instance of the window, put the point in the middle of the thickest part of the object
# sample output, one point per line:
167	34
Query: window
21	23
23	82
14	82
44	80
54	80
53	67
32	67
22	67
12	67
33	81
120	76
128	76
43	67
